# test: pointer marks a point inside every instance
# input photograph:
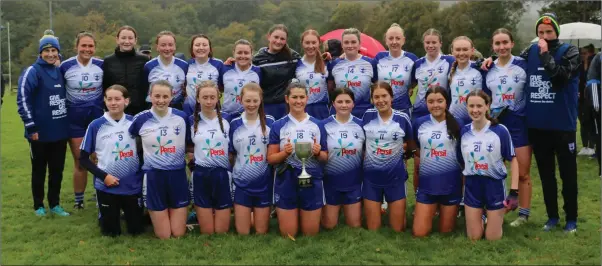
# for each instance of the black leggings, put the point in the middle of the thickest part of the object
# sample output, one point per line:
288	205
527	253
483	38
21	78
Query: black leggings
110	206
547	144
51	156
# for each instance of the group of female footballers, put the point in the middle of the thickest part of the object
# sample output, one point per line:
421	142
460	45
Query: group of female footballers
354	111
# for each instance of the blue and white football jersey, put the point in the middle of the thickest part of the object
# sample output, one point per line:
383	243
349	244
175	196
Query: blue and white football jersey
506	85
462	83
83	83
398	73
174	73
440	171
163	138
198	73
210	142
383	163
356	75
426	74
345	153
116	151
288	129
484	152
251	170
233	79
315	83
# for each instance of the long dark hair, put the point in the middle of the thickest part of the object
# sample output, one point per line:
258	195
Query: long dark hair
197	107
453	128
341	90
252	86
487	99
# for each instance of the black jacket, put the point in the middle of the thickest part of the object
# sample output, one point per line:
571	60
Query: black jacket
559	72
127	69
277	70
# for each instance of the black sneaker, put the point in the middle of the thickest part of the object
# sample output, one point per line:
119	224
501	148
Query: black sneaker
78	206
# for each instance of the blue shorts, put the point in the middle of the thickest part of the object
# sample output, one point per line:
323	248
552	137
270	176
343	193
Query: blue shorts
391	193
164	189
319	111
249	200
288	195
517	126
336	198
447	200
484	192
211	188
80	118
277	110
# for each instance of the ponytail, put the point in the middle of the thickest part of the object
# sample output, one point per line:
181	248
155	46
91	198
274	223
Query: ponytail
453	128
454	67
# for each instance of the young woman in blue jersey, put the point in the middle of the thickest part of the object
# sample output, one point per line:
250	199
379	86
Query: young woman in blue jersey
41	99
387	130
168	67
439	183
311	71
251	174
430	70
485	146
163	132
118	177
343	171
210	142
233	77
202	66
354	71
83	80
396	67
463	78
297	126
505	82
277	63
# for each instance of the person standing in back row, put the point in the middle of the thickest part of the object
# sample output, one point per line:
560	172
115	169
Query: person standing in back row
41	98
126	67
552	88
278	63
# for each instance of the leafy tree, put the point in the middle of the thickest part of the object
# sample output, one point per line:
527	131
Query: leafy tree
575	11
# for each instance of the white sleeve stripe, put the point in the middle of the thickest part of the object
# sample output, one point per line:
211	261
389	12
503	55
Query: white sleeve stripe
23	96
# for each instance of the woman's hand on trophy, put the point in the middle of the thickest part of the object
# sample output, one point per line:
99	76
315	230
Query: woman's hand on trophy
316	148
288	147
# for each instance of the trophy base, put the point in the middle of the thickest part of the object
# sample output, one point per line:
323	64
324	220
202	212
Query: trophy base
305	183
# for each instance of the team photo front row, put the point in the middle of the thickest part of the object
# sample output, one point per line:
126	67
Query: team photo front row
307	135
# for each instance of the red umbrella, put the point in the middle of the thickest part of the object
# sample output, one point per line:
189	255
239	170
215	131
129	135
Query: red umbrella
369	46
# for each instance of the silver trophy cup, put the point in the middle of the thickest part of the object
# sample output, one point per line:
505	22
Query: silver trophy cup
303	152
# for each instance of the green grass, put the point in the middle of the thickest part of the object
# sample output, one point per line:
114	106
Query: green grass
27	239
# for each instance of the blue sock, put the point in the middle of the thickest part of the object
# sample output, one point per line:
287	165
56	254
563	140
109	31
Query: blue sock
79	197
524	212
484	217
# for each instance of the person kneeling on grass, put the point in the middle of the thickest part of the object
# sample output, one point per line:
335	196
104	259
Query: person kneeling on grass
117	178
485	145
